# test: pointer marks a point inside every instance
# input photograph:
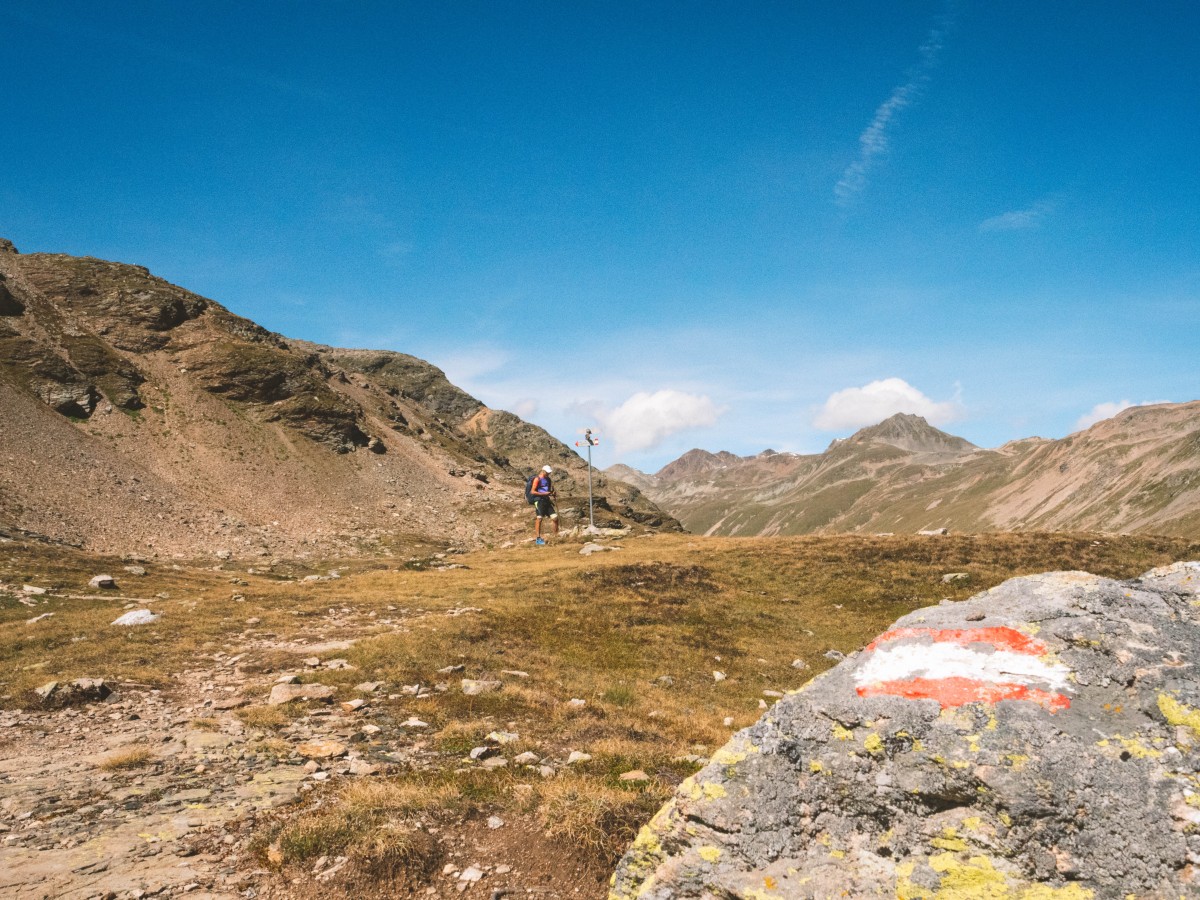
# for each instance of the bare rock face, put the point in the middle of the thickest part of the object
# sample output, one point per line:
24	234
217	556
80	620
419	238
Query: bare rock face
9	305
1040	739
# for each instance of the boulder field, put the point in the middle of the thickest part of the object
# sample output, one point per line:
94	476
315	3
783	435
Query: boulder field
1039	740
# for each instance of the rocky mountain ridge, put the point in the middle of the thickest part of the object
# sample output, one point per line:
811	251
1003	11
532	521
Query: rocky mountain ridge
138	417
1136	472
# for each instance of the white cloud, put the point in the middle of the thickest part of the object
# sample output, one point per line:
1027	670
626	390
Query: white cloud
875	139
526	407
1102	411
465	367
1020	219
645	420
858	407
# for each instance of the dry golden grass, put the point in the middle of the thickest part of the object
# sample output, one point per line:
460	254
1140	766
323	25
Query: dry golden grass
132	758
597	818
635	634
265	717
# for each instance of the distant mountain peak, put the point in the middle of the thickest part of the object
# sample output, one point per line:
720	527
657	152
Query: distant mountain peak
910	432
695	462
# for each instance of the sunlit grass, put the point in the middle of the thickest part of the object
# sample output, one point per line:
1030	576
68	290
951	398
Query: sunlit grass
635	636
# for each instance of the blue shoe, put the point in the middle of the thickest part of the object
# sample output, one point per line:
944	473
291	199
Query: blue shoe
540	542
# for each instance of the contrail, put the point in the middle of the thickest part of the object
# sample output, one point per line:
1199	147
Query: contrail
873	142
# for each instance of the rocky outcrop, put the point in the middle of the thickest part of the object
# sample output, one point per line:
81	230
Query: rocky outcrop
1041	739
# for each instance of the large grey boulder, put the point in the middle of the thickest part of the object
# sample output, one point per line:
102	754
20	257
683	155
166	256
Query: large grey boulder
1040	739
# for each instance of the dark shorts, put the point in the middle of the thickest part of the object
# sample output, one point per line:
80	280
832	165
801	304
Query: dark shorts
544	507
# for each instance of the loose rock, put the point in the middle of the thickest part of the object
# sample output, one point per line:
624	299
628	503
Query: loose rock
136	617
472	687
286	693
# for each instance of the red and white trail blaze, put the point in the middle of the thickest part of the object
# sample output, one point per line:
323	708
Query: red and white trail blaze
956	666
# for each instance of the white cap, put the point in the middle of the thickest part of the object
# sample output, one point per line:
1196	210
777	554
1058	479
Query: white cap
547	470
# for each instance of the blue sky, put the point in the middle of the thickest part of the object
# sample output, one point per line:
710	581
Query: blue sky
726	225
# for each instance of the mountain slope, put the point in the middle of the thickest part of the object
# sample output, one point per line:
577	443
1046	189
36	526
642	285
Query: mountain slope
1138	472
137	417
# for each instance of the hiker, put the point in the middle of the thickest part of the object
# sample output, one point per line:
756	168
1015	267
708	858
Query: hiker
544	495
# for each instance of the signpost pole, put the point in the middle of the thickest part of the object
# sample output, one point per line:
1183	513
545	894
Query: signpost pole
591	440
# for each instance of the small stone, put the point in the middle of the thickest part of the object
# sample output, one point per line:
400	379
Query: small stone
354	705
634	775
321	748
450	670
774	694
285	693
482	752
47	690
371	730
136	617
320	776
515	673
103	581
30	589
368	687
413	722
495	762
727	721
362	768
718	676
135	570
312	662
311	766
526	759
576	703
577	756
502	737
473	687
953	577
471	874
835	655
545	771
495	822
799	664
762	704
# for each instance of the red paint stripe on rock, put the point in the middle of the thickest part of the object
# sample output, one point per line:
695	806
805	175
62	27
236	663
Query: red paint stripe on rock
955	692
1001	637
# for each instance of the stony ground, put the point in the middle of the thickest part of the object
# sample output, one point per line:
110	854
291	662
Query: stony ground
182	817
187	780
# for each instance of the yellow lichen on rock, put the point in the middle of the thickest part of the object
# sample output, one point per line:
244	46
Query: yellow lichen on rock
873	743
709	853
1177	713
977	878
643	858
697	790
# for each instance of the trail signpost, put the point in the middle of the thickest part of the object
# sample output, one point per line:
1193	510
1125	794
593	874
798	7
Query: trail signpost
590	439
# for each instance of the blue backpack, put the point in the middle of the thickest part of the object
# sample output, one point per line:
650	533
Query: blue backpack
529	498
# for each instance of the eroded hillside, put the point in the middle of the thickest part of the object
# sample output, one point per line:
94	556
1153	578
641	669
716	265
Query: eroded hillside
138	417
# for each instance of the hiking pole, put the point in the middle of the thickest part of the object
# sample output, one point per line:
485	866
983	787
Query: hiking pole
591	439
